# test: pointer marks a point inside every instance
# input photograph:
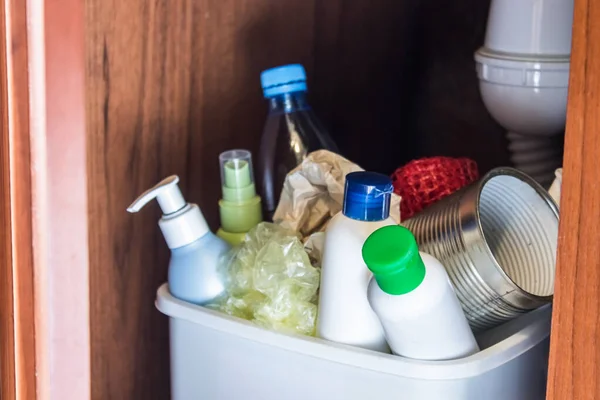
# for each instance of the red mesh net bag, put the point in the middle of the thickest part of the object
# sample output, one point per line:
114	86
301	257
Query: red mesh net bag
423	182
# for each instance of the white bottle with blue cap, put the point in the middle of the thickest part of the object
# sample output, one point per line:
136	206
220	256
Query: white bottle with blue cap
195	251
292	130
345	315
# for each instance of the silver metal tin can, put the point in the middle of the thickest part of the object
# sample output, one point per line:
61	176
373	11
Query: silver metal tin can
497	239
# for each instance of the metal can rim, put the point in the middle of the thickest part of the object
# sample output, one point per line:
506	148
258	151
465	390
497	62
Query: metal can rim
504	171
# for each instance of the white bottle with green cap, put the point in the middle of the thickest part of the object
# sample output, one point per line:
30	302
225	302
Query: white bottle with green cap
412	295
195	251
240	207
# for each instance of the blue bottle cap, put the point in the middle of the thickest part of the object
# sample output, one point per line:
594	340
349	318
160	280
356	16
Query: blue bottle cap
367	196
284	79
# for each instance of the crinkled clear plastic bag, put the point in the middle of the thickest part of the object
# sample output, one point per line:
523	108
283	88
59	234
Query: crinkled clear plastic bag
271	281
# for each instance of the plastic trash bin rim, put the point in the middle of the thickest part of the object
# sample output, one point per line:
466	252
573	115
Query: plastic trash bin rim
478	364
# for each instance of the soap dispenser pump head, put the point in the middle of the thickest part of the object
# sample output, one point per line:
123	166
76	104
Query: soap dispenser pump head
166	192
181	223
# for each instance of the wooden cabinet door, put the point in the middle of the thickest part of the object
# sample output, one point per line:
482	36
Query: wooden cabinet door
44	301
17	325
575	340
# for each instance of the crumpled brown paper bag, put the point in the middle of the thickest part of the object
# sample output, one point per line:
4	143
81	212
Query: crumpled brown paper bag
313	193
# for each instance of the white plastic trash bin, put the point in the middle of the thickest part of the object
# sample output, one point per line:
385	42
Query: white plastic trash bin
218	357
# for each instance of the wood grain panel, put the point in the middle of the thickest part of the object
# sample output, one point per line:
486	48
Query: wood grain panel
171	84
17	328
575	341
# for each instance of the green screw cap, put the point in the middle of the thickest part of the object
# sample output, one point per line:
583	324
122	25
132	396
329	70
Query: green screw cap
392	255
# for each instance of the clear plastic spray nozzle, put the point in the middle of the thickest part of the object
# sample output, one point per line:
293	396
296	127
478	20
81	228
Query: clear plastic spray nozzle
239	208
237	177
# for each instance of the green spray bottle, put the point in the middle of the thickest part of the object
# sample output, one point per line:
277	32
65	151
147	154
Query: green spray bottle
240	208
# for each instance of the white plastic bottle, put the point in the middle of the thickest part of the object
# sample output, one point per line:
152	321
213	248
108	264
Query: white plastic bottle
344	312
195	251
414	299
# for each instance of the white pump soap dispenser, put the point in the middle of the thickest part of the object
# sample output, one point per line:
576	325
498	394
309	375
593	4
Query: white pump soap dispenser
195	251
